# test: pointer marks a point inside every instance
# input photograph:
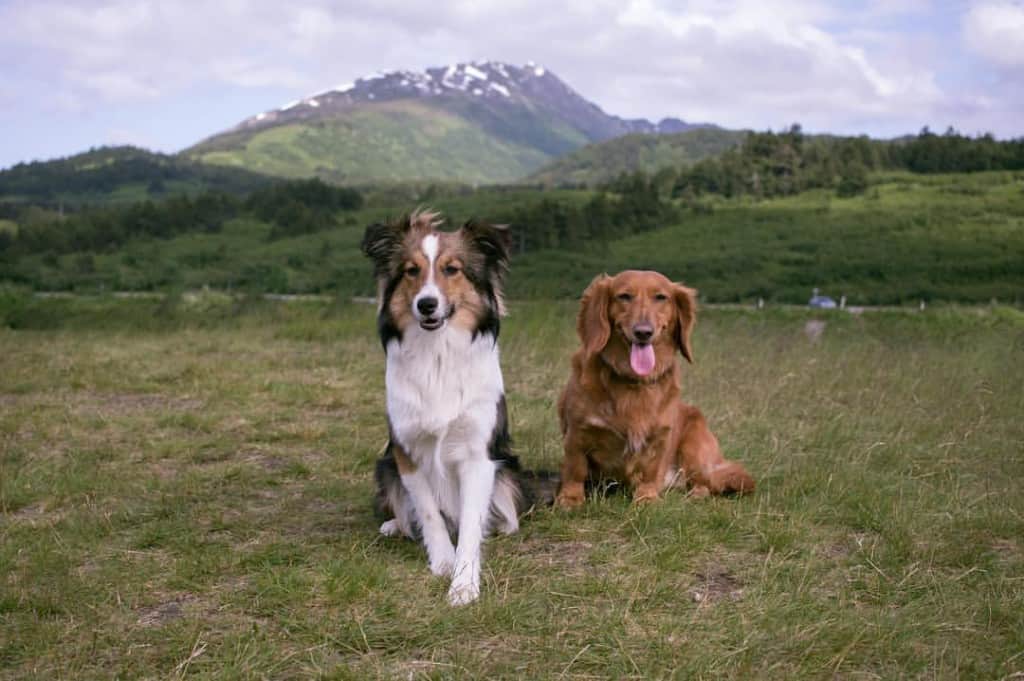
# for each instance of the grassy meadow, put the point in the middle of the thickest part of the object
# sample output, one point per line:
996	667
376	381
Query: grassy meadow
185	491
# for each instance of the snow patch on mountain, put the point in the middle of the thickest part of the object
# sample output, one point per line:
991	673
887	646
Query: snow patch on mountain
494	85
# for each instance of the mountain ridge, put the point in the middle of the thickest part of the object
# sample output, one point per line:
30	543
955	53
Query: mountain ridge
431	125
486	79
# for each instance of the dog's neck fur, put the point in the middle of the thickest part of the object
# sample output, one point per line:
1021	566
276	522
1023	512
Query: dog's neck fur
434	377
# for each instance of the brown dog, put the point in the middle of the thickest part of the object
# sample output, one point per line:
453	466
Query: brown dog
620	413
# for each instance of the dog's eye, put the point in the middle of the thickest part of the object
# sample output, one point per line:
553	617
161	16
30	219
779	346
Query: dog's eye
412	271
660	297
450	270
625	297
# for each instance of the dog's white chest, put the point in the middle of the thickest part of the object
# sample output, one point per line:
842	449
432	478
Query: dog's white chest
442	383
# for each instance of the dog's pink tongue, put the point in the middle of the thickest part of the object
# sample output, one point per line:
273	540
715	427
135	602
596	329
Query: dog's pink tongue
641	358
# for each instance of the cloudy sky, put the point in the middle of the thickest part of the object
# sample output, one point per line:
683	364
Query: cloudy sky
166	73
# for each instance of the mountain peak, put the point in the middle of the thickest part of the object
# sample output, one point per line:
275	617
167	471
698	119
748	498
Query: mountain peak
484	79
477	121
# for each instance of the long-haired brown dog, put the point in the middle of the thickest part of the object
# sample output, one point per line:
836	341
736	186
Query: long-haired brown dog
621	415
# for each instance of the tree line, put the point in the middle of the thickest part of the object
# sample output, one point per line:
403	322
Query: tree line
100	171
292	208
630	205
771	164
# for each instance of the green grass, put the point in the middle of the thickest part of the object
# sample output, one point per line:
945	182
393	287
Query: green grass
185	491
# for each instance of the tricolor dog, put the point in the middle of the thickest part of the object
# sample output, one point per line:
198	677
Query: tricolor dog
448	465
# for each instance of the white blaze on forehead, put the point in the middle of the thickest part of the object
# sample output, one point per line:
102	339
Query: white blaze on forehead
429	246
430	289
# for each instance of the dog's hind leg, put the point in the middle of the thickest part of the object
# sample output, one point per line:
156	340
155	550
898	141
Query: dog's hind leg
476	484
392	500
701	460
506	501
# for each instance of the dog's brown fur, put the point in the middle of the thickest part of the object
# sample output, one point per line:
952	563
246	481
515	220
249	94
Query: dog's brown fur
634	429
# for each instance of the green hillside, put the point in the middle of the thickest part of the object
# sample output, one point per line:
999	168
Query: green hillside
118	175
398	141
909	238
953	237
602	162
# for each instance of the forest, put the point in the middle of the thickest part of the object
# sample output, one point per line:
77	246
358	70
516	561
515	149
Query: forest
930	217
781	164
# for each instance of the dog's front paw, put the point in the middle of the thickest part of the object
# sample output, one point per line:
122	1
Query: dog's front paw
442	562
390	528
646	500
569	500
645	495
463	593
699	492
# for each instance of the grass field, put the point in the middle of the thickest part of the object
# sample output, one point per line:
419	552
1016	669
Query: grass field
185	491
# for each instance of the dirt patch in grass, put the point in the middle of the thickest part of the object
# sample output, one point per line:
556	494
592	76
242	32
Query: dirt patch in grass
165	469
838	550
166	611
1007	550
275	462
715	583
121	403
263	460
834	551
568	556
36	514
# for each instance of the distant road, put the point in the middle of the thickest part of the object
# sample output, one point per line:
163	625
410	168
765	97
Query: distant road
367	300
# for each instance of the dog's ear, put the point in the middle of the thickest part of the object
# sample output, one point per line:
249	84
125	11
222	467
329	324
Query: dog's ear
382	242
686	317
493	242
592	324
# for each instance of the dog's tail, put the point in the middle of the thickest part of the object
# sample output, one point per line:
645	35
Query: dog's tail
518	492
538	489
727	477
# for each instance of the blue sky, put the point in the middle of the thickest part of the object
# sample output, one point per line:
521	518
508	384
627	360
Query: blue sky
164	74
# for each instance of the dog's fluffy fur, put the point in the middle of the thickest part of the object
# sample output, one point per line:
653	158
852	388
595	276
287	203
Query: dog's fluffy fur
448	465
620	413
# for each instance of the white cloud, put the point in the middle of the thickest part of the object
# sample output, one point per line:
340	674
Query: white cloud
115	85
869	65
248	73
752	65
995	31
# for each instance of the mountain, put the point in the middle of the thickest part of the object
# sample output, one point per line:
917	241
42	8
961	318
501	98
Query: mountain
479	122
604	161
118	174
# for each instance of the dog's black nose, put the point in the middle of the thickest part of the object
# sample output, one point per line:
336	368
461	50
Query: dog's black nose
643	333
427	305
